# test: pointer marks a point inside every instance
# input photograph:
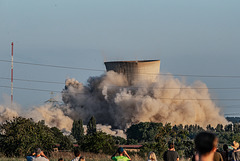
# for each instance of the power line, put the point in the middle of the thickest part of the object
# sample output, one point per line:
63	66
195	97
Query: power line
210	76
233	106
32	89
187	88
177	99
134	87
91	69
201	99
163	88
54	66
30	80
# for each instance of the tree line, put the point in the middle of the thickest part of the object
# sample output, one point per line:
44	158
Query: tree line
20	136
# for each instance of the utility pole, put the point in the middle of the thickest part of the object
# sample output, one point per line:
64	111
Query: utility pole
12	77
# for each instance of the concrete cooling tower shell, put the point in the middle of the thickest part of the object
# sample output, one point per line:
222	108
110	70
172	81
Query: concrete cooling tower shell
136	70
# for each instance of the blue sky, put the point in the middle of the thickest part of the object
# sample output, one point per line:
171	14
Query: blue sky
189	37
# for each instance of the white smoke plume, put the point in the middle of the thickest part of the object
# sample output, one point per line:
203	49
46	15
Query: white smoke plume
53	117
7	113
113	102
108	129
116	105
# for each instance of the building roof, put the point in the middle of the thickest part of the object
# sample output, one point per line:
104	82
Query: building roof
75	145
131	146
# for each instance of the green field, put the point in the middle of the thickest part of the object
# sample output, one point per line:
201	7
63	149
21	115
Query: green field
68	156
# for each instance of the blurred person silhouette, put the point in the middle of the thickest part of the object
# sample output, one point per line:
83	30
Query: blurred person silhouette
205	146
121	156
236	151
82	158
225	153
77	155
38	155
171	154
152	156
217	156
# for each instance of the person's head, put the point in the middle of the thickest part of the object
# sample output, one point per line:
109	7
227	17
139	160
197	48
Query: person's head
38	151
205	143
120	150
60	159
235	145
76	153
170	145
152	156
82	159
225	147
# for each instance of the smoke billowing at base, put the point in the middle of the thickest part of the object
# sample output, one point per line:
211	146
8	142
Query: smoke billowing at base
112	101
116	104
53	116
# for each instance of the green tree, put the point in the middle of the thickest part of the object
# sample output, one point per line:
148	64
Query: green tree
59	138
164	135
210	128
143	132
178	135
219	128
236	128
193	130
228	128
177	127
119	140
78	130
188	148
91	126
98	142
132	142
20	136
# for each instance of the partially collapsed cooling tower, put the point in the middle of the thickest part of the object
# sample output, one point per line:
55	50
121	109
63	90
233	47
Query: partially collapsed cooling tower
136	70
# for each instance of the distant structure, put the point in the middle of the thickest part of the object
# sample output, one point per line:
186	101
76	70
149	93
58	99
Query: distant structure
12	76
131	148
52	100
136	70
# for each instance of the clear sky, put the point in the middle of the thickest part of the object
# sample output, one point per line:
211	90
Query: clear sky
189	37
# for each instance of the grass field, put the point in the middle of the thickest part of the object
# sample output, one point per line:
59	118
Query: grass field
67	156
56	159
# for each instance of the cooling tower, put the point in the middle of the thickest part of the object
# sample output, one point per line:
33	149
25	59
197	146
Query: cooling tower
136	70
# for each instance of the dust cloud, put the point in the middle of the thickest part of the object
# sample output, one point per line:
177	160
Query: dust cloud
112	101
116	105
